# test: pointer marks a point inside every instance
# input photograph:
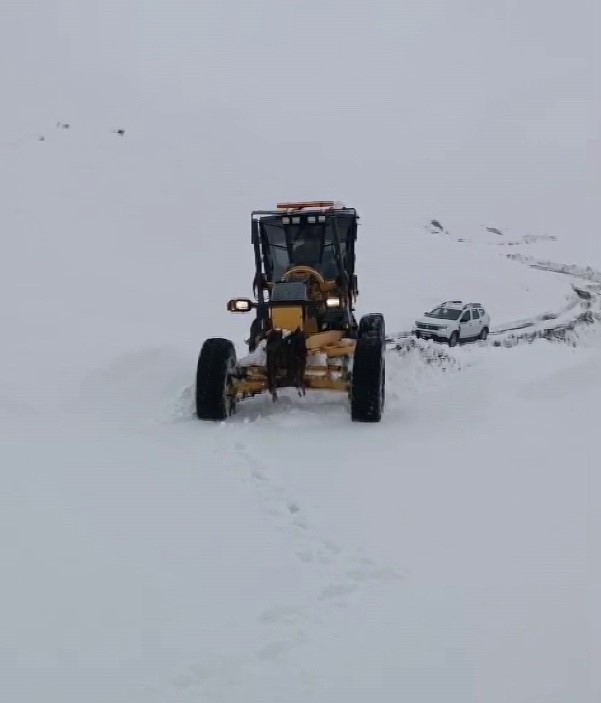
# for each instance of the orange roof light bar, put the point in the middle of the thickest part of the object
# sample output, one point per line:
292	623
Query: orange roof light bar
310	205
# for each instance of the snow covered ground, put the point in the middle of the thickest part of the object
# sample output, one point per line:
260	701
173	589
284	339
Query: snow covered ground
449	554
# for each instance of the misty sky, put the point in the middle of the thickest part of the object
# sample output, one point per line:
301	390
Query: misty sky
490	110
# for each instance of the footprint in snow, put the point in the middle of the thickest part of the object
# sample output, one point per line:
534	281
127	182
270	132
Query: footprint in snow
385	575
276	649
282	614
337	590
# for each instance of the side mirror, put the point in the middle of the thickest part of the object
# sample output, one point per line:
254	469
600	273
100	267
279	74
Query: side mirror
240	305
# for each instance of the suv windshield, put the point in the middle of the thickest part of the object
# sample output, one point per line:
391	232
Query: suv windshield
444	313
303	244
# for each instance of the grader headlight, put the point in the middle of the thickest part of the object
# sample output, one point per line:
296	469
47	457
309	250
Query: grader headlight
240	305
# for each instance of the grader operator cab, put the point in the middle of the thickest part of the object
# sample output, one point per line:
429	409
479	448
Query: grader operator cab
304	334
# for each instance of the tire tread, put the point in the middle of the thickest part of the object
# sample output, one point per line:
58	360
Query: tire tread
211	376
367	381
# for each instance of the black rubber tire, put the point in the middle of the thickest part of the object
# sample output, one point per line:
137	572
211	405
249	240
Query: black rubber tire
216	361
372	326
484	334
454	339
368	381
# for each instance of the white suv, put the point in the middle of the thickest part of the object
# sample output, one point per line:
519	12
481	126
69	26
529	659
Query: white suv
454	321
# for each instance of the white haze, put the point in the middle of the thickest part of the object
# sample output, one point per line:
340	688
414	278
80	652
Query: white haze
448	554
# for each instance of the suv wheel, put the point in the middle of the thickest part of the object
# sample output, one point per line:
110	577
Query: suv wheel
454	338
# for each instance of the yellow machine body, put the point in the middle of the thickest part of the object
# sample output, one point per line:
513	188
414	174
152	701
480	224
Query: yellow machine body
332	375
288	317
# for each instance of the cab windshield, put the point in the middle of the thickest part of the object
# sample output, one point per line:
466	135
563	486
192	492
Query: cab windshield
302	244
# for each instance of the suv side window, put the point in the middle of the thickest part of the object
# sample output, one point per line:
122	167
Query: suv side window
476	314
465	317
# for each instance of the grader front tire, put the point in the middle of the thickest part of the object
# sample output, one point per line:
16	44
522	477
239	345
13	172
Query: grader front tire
216	363
367	382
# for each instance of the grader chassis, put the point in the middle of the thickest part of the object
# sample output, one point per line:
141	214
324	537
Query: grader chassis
304	334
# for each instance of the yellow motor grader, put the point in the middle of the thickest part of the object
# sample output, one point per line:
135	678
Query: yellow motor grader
304	334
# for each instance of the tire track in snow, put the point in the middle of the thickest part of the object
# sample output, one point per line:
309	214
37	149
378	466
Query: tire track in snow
341	574
584	311
339	579
584	273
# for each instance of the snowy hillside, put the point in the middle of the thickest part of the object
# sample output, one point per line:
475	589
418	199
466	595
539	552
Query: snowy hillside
449	554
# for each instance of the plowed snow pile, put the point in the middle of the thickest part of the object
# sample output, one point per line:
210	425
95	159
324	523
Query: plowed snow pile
449	554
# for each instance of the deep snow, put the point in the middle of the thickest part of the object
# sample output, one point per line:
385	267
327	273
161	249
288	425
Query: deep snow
449	554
